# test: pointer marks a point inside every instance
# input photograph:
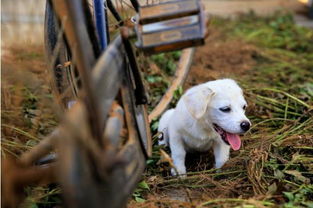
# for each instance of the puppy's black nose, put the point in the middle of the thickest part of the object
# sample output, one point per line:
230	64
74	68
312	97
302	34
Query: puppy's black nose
245	125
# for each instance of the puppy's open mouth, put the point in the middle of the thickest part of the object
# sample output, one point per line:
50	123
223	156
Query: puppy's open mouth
231	139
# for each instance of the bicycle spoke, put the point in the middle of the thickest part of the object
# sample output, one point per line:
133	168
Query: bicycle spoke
81	46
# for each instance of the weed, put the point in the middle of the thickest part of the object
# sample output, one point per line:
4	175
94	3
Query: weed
141	187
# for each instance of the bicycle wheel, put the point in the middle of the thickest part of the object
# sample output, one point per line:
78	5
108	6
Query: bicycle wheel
90	172
65	76
310	5
58	56
163	73
79	165
66	83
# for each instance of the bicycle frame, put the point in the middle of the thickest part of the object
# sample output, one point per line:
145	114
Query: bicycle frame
84	133
107	77
74	136
100	15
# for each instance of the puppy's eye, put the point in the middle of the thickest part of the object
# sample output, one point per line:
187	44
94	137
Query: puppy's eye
225	109
244	107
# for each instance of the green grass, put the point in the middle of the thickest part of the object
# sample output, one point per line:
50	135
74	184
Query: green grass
158	72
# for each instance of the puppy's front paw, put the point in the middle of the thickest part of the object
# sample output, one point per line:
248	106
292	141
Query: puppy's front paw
219	164
181	172
219	170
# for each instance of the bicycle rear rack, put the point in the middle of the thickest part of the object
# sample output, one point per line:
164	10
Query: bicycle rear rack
170	26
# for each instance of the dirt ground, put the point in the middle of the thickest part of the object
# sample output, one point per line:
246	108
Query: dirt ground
219	59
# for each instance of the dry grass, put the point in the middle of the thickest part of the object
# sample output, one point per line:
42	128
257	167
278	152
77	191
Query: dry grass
274	167
28	111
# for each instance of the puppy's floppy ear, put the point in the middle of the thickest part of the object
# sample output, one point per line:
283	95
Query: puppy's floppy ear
197	100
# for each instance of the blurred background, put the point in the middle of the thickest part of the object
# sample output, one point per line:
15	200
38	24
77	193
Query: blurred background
22	20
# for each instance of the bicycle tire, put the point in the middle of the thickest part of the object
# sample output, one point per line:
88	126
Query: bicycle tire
112	191
133	149
310	12
64	80
76	163
61	76
77	154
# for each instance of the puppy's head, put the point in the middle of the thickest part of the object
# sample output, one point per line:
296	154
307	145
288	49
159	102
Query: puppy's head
221	105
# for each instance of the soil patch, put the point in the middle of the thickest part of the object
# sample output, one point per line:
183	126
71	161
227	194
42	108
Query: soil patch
220	58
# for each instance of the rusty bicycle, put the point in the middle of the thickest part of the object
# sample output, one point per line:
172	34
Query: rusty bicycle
97	153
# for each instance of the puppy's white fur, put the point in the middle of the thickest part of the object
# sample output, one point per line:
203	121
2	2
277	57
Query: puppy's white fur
189	127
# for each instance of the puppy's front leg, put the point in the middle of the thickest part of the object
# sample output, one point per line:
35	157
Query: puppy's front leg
221	154
178	154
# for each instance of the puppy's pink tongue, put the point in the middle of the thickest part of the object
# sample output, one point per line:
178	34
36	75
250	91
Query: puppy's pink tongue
234	140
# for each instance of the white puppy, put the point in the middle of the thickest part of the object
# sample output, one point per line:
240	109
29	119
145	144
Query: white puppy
209	115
